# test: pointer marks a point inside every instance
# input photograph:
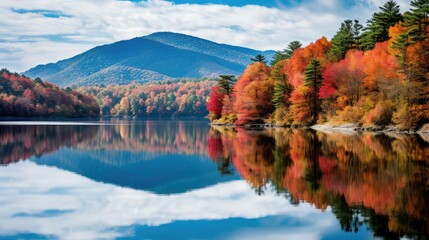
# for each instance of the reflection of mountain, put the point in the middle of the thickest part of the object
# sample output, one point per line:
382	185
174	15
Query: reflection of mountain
160	173
367	179
164	157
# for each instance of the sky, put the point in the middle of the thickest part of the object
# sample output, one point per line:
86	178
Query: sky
43	31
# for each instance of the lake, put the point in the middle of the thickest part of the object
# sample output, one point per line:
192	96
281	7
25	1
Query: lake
187	180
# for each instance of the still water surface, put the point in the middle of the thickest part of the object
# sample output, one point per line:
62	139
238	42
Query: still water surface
186	180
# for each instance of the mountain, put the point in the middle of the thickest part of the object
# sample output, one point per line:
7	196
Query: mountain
158	56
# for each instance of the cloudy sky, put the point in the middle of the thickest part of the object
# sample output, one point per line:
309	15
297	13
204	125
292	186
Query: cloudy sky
38	32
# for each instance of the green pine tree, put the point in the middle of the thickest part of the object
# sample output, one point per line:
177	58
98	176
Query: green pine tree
347	37
313	79
282	87
278	56
285	53
259	58
417	19
401	43
226	82
279	92
291	47
377	29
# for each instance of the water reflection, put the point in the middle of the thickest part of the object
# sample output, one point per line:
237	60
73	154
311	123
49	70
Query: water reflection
157	180
164	157
376	180
44	201
22	142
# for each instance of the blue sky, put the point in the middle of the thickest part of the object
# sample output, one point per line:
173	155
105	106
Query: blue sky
44	31
266	3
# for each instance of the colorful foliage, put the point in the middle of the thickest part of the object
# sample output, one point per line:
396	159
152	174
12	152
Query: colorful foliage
387	84
364	178
153	99
253	92
23	97
215	102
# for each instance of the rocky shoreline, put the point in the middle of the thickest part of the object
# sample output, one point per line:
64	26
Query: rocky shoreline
329	127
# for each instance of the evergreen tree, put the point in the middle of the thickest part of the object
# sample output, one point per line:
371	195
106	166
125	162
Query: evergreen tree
291	47
313	80
347	37
377	29
282	88
413	93
400	44
259	58
279	91
285	53
417	19
357	34
278	56
226	82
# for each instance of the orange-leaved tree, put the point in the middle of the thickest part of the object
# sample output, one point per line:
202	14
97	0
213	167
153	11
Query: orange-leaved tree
253	93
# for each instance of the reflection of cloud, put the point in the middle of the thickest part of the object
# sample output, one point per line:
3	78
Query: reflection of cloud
50	201
279	234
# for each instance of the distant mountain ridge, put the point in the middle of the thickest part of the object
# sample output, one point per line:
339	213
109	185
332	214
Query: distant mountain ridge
158	56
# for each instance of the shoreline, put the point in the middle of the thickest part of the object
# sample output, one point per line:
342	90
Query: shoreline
329	127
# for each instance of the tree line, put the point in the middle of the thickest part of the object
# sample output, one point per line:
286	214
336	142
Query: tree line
154	99
21	96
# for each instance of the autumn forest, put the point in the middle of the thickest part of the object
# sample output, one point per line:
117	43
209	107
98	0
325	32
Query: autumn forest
23	97
373	75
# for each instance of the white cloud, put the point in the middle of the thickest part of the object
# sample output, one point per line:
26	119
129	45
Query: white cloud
93	22
90	210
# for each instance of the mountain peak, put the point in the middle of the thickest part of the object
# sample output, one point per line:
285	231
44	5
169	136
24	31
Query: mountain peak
158	56
167	33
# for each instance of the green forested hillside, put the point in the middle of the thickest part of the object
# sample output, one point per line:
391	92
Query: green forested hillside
158	56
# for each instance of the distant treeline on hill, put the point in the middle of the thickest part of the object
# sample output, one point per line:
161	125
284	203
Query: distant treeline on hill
167	98
22	97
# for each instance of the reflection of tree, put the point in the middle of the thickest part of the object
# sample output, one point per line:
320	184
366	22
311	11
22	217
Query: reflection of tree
22	142
347	216
365	178
217	153
253	157
152	136
313	174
